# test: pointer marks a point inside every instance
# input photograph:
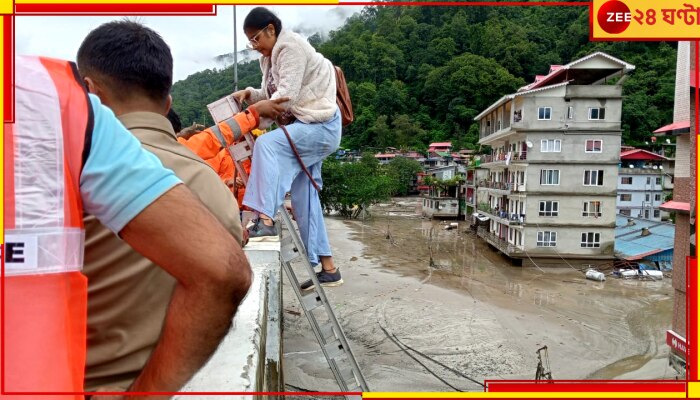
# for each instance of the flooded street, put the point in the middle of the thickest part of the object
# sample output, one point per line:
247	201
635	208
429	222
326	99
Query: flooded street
472	311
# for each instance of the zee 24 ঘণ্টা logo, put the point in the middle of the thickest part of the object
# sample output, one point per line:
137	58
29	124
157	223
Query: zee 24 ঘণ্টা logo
652	19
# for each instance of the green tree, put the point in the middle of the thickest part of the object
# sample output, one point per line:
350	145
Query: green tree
402	171
350	188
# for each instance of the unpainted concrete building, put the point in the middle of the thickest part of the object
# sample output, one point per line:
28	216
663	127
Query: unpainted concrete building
554	168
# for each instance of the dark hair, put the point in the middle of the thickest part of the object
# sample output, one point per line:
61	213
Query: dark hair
130	57
260	17
174	120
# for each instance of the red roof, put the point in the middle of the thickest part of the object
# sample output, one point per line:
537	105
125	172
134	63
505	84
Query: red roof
384	155
441	144
674	127
639	154
675	206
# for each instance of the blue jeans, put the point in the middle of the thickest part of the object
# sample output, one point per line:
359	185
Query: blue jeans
276	171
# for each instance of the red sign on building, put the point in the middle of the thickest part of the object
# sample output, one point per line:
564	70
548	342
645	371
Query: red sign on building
676	341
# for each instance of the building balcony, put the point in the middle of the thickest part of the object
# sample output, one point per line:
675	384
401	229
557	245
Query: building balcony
503	216
502	188
642	171
503	158
501	244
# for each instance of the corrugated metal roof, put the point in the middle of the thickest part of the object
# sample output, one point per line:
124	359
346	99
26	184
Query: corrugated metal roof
675	206
554	72
630	243
441	144
651	156
674	127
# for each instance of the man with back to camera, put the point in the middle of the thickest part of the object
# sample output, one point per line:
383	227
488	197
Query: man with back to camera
66	153
129	67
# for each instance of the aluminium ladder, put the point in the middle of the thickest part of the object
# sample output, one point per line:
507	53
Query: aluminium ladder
328	332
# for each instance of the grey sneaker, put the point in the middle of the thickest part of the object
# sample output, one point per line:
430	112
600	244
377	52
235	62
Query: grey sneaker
259	232
326	279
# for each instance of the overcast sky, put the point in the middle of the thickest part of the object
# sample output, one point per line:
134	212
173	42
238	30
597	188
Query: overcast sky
194	41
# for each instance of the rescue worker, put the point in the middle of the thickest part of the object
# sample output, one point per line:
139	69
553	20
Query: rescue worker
66	154
129	67
207	144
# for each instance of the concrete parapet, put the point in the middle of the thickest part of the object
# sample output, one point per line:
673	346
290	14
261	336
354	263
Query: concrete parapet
249	358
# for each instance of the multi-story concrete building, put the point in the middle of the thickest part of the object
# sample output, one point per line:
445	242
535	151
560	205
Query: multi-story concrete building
641	187
554	168
684	200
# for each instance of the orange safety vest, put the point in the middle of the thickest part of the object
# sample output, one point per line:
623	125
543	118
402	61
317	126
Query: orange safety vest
210	144
45	292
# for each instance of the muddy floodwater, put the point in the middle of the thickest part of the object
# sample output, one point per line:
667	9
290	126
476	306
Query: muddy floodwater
472	311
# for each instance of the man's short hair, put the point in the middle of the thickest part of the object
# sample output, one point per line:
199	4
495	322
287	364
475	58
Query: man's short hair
129	57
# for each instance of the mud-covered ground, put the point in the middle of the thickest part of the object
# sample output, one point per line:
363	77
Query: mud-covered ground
472	311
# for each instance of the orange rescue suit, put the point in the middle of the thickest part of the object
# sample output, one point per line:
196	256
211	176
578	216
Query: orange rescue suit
207	145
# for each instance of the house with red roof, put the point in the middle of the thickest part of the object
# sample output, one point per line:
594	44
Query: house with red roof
440	147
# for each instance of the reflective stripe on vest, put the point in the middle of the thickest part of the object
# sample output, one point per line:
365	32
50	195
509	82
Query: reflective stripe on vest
45	293
43	159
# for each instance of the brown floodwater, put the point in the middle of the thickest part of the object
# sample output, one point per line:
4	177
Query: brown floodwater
629	316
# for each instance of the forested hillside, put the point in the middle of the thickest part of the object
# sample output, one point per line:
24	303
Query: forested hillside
420	74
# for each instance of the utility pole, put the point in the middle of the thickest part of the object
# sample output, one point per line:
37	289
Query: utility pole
235	52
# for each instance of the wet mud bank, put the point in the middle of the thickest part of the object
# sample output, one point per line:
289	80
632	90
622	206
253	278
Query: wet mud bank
456	300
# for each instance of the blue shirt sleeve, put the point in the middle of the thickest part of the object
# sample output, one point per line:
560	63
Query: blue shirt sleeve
120	178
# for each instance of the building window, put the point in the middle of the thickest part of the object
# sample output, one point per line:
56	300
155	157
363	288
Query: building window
544	113
658	180
626	212
550	146
593	177
626	180
590	239
549	208
570	113
546	239
647	197
648	180
657	213
594	146
646	214
596	113
549	177
625	197
657	197
518	116
591	209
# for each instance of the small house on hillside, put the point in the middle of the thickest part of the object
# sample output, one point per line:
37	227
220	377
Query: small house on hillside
440	146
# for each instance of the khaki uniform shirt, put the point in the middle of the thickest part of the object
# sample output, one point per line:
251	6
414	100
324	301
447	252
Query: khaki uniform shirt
128	295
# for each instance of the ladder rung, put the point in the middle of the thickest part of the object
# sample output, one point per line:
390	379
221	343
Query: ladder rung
327	331
288	251
334	349
348	377
311	301
241	151
352	385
